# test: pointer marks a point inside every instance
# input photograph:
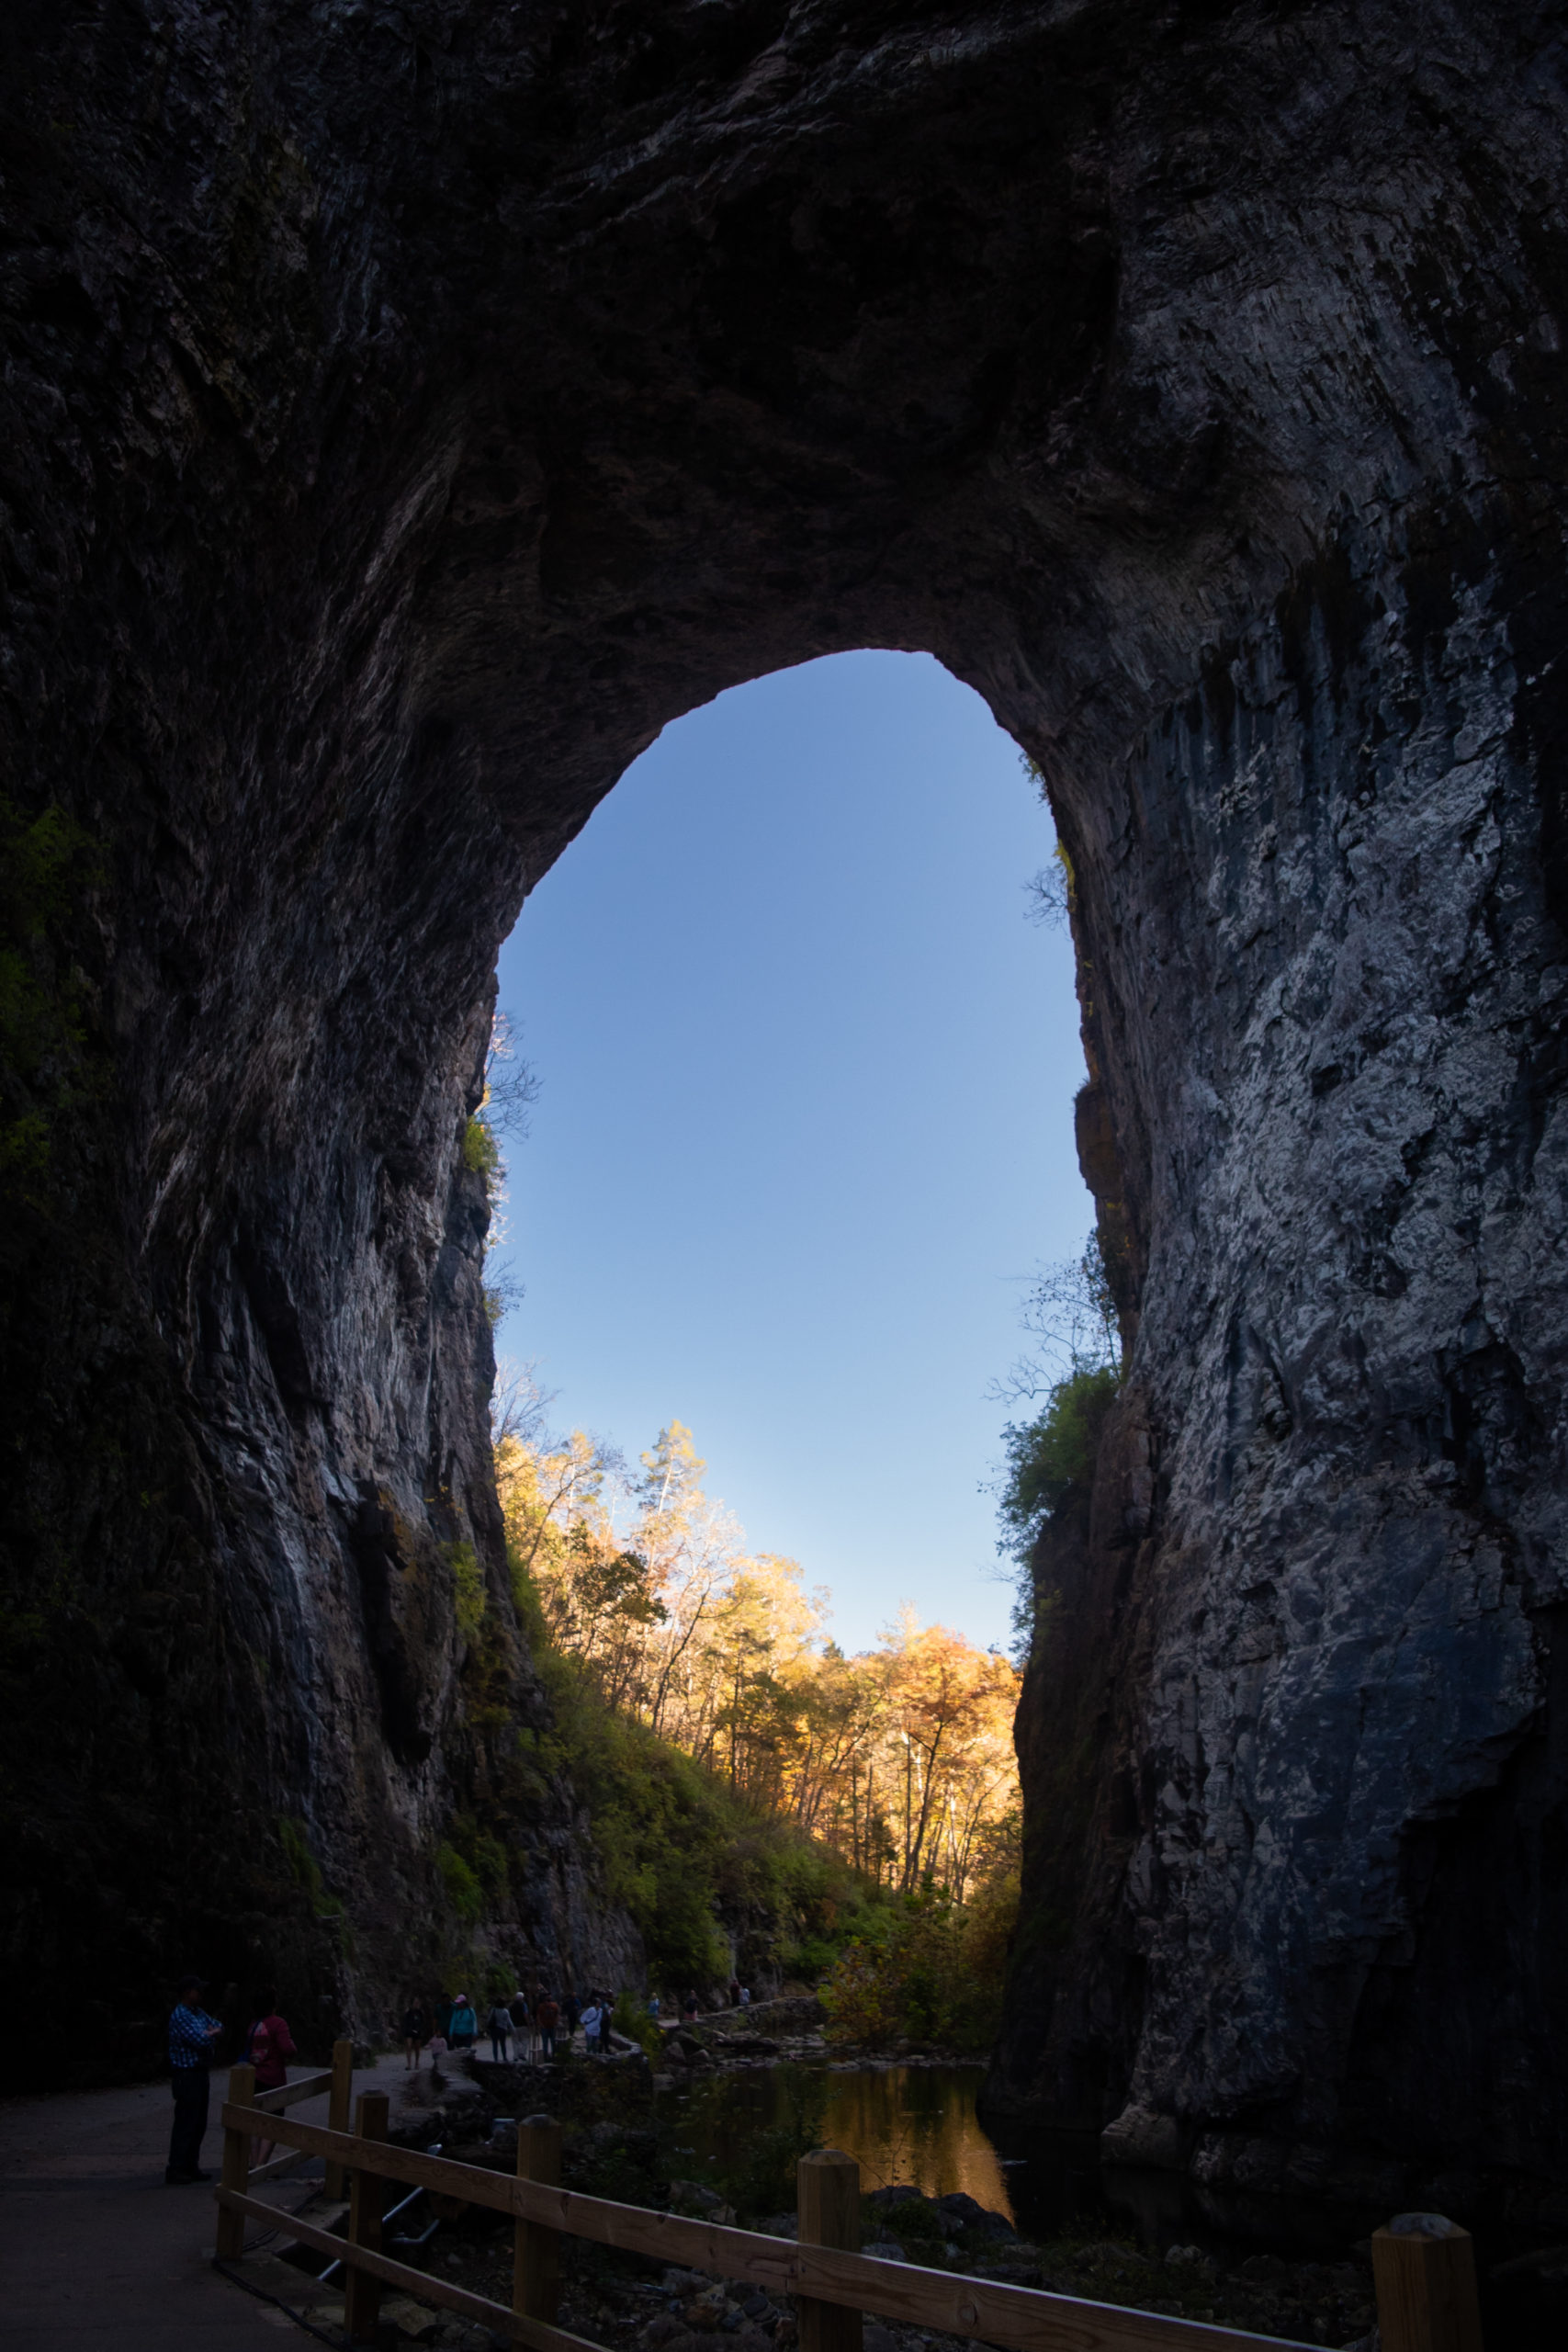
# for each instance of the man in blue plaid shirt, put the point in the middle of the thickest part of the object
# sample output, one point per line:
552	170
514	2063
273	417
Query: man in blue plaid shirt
191	2036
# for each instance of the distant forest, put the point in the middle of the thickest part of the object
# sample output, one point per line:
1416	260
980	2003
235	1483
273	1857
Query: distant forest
758	1800
899	1759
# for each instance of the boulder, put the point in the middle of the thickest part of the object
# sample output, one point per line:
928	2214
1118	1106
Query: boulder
971	2215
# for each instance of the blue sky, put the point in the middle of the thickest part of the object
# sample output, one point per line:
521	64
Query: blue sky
805	1120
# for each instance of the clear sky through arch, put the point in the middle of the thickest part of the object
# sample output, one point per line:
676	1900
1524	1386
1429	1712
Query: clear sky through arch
804	1121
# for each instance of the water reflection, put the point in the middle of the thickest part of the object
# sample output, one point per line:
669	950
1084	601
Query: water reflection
904	2125
918	2125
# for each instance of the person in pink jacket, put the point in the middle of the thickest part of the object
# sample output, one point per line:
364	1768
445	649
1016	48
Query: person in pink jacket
269	2046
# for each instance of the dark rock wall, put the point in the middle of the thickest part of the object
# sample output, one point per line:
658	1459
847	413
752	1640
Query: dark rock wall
1340	1568
408	412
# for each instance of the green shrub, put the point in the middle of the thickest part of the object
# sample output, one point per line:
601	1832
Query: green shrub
499	1980
481	1154
463	1889
630	2018
1049	1459
525	1601
482	1854
1048	1456
328	1910
467	1589
935	1973
809	1958
307	1870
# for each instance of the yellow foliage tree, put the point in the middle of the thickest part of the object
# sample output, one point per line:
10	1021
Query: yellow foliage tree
901	1758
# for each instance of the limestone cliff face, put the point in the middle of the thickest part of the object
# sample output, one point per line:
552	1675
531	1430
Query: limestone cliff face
409	412
1312	1623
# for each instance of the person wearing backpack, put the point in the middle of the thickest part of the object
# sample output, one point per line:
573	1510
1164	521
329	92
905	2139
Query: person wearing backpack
269	2045
499	2027
464	2030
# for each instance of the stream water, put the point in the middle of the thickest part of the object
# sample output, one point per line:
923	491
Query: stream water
918	2125
902	2124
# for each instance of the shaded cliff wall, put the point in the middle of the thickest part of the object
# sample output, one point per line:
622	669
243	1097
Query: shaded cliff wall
1307	1631
409	412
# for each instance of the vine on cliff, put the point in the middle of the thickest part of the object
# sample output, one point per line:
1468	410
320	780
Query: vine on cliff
1076	1367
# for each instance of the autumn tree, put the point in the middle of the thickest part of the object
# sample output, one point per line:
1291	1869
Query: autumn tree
900	1758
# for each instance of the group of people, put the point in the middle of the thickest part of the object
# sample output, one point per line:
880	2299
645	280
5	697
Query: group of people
530	2028
527	2027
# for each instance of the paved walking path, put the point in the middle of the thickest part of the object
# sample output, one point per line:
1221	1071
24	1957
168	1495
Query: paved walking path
97	2253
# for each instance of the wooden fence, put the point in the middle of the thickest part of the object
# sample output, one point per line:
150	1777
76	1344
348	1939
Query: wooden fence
1426	2282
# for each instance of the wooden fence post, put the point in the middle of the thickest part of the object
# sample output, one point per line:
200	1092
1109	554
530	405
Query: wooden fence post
236	2173
1423	2269
535	2255
828	2188
337	2109
366	2201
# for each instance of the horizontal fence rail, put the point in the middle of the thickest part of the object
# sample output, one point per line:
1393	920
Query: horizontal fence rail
335	2081
420	2284
833	2285
291	2094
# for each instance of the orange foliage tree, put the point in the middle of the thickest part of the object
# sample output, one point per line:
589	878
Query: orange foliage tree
900	1757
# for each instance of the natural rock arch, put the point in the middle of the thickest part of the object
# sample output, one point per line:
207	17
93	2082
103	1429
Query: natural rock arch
408	412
